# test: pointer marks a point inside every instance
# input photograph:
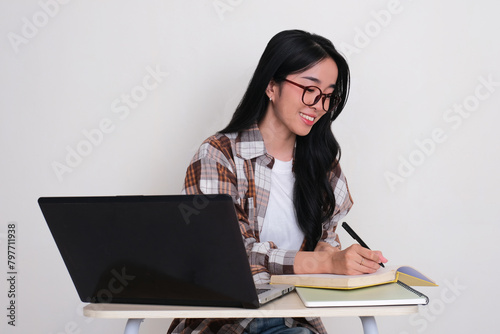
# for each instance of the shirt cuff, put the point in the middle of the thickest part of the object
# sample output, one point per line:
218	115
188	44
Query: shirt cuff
280	261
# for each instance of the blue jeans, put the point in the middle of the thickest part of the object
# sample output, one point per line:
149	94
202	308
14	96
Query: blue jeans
273	326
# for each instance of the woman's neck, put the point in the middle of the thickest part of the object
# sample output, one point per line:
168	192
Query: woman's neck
278	139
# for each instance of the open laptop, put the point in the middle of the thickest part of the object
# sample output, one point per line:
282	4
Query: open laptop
171	250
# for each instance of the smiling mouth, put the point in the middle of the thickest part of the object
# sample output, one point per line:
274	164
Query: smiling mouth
307	117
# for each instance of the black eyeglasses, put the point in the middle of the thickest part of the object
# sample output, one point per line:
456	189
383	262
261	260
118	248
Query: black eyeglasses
313	94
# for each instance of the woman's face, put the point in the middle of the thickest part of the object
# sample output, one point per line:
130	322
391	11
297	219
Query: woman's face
288	110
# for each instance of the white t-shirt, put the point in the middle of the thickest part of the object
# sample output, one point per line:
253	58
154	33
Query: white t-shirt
280	223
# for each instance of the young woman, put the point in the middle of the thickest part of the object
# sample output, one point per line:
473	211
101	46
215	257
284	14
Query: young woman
278	159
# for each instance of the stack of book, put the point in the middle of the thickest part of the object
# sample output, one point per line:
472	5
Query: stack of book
387	286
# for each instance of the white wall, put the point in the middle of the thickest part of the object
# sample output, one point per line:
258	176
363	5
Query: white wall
66	68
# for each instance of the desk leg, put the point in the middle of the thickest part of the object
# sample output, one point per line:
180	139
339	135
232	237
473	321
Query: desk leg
132	326
369	325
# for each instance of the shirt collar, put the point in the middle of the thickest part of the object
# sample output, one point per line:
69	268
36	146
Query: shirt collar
250	144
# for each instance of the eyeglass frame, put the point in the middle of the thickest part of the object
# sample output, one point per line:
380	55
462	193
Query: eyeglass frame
322	96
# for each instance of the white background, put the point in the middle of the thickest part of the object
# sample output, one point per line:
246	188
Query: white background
66	66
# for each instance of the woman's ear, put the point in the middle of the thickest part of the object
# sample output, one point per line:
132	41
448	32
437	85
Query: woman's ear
271	89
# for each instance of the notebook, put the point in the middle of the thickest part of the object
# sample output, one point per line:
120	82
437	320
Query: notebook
396	293
172	250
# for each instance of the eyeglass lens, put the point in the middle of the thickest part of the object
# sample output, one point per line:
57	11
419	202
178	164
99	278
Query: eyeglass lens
313	94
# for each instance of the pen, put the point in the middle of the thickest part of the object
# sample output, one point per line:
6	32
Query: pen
357	238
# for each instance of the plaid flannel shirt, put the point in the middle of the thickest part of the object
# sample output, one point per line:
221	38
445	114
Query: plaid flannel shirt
237	164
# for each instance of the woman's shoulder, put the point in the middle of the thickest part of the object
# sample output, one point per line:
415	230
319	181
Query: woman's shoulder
218	145
220	141
244	144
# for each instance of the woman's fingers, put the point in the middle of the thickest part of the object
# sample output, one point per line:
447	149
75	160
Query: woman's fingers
367	261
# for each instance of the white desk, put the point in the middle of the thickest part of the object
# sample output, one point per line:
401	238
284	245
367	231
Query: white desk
287	306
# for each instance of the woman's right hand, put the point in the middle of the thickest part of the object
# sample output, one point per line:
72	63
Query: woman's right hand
326	259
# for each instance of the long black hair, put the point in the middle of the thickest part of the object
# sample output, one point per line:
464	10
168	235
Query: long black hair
317	153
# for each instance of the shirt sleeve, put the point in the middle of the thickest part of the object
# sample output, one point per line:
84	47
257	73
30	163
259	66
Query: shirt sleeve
343	203
212	171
